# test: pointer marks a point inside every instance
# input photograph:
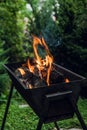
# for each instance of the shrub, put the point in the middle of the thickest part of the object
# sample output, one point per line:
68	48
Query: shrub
4	79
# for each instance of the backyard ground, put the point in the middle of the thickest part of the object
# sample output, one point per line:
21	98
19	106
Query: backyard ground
22	117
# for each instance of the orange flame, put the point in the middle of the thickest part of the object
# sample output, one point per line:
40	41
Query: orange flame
30	67
41	64
21	71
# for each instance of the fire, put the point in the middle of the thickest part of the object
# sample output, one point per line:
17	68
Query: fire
41	64
40	70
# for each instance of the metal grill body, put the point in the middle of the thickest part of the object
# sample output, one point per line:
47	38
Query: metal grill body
53	103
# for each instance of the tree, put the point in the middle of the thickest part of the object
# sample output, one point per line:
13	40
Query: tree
4	79
11	37
11	33
42	22
73	30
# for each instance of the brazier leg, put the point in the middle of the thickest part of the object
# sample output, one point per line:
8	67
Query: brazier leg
56	125
79	116
7	107
40	123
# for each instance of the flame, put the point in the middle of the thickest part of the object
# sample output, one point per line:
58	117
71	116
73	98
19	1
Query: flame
30	67
21	71
41	64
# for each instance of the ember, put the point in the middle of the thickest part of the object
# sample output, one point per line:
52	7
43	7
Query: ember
67	80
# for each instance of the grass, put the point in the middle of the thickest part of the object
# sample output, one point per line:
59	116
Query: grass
19	118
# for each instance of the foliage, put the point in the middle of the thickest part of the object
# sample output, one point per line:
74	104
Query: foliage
73	30
72	21
11	38
62	23
73	57
4	79
41	21
11	33
24	117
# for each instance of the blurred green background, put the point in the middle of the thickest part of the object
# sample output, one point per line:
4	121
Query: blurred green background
62	23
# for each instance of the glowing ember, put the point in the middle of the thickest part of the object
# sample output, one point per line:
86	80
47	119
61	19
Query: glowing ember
67	80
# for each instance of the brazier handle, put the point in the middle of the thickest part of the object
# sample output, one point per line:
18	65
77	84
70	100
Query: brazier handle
58	95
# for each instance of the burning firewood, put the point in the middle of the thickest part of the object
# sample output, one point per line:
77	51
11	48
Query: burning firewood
29	79
38	72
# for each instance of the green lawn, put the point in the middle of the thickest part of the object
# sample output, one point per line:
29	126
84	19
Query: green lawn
25	119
